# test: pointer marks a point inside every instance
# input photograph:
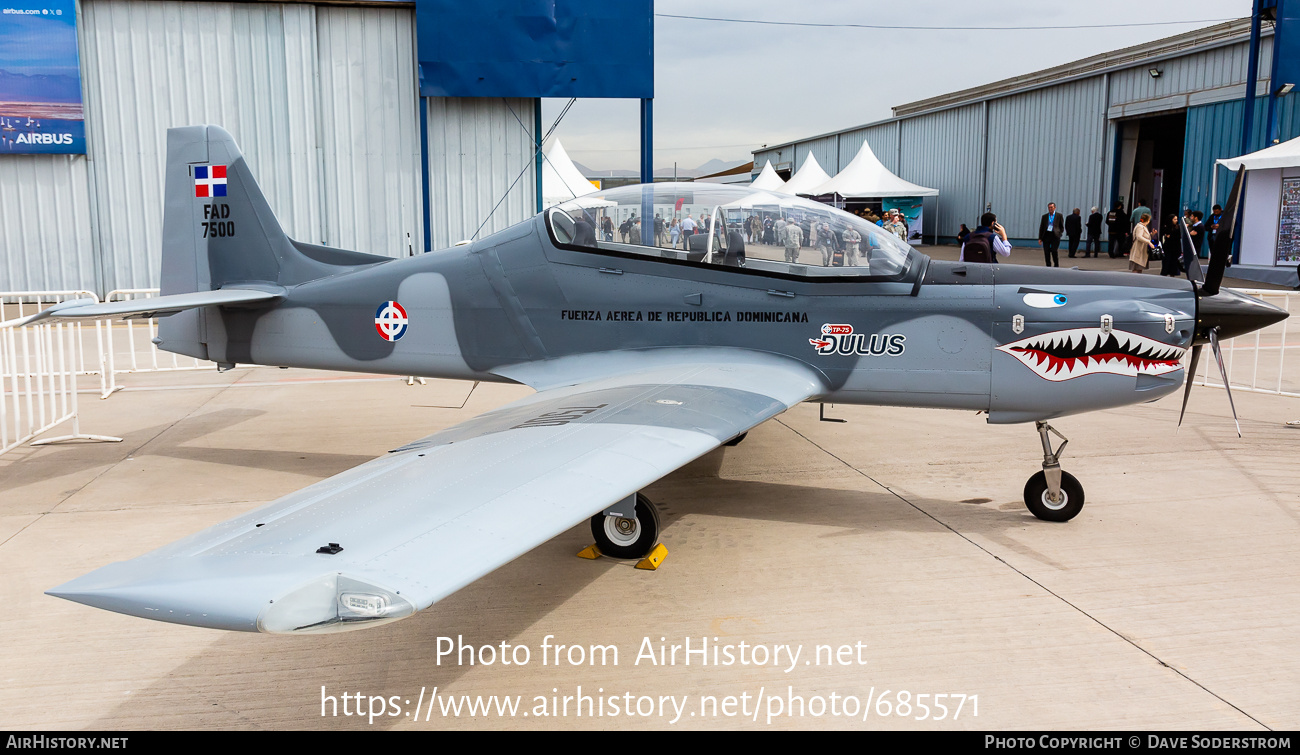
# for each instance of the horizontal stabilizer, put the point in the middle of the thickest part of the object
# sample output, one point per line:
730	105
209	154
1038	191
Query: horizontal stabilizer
143	309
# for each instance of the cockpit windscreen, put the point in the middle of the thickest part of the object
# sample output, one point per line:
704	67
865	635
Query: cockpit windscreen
717	224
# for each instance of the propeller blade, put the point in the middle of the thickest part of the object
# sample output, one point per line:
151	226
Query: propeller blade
1191	373
1190	260
1218	355
1223	239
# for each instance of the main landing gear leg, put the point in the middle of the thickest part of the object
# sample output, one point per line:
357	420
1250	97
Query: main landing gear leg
628	529
1053	494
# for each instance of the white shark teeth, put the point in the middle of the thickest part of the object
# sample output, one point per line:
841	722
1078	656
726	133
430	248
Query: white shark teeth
1126	354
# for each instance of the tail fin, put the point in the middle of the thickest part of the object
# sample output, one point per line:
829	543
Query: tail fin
217	227
219	231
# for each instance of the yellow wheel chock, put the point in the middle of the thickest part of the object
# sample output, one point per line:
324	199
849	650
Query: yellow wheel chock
651	562
655	559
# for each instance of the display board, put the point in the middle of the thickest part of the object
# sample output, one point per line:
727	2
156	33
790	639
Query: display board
40	78
527	48
1288	226
913	214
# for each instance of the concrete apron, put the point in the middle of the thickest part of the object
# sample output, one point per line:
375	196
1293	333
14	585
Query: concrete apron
1170	602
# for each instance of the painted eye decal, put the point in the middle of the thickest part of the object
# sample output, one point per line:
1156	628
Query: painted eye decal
1045	301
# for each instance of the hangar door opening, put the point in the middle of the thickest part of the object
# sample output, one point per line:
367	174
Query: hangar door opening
1150	163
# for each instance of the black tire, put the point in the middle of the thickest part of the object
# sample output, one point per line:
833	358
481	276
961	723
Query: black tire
616	539
1036	498
736	440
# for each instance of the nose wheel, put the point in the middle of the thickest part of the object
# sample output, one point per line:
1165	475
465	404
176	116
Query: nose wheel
1053	494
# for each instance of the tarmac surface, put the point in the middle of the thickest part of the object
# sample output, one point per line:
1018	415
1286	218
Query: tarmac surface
1170	602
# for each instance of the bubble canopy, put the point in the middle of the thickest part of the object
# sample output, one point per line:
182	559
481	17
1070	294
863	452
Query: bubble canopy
736	226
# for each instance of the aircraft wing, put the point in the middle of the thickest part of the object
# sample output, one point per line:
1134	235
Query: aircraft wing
395	535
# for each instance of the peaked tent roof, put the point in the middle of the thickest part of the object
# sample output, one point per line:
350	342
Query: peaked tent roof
757	199
808	178
768	180
867	177
561	180
1284	155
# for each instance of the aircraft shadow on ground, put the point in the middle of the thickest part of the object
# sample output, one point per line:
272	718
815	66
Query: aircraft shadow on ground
250	681
175	441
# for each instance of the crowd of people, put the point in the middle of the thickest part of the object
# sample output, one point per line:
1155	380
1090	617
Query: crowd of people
838	243
1134	234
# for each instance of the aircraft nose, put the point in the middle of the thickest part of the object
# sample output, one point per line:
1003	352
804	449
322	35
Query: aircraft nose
1233	314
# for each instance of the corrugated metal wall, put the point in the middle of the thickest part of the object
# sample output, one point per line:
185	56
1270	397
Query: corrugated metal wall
780	159
945	151
369	130
480	157
823	150
1213	133
149	65
322	101
1188	74
1045	145
45	233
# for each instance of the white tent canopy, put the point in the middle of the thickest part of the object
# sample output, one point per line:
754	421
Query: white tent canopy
809	177
768	180
1284	155
867	177
561	180
757	199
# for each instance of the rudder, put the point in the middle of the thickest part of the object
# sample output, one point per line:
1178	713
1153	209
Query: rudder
219	231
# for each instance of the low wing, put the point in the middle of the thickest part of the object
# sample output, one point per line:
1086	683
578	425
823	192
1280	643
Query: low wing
158	306
433	516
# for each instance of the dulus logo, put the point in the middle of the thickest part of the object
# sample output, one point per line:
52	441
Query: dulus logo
840	339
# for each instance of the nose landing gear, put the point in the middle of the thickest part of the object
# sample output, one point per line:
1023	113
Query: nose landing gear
1053	494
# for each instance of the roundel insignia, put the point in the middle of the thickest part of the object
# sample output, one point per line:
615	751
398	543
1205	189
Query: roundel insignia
390	321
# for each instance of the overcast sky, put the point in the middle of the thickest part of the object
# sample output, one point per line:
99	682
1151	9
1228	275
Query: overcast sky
722	89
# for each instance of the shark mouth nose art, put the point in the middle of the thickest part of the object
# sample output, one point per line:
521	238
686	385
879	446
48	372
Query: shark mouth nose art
1067	354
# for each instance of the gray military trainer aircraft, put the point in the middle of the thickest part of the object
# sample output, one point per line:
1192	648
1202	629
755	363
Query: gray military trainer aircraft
646	350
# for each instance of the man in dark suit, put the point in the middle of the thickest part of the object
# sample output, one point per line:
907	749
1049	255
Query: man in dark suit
1073	230
1050	229
1196	229
1117	227
1212	226
1092	247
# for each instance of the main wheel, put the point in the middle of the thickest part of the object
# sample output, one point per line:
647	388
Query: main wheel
621	537
1041	506
736	440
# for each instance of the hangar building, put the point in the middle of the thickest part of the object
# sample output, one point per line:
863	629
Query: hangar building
1130	124
325	100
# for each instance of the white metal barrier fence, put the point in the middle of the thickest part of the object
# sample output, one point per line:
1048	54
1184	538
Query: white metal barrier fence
90	358
135	339
39	366
1271	355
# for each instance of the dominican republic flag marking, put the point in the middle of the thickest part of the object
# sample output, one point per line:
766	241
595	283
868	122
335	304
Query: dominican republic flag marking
209	180
390	321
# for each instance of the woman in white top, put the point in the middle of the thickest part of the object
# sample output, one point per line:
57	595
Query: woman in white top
1142	245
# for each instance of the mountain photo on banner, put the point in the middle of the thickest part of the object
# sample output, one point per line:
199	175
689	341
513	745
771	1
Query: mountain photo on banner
40	79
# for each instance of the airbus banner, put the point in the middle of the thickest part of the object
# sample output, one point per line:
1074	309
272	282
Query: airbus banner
40	79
